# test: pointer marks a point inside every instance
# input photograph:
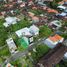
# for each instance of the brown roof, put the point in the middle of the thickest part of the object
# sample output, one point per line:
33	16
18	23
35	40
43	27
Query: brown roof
54	56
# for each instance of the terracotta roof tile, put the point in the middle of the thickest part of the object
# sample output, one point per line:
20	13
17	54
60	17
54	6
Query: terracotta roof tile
55	38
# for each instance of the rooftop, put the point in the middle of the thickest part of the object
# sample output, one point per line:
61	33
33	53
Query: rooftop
55	38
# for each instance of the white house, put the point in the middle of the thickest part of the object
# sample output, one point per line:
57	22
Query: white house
11	45
34	30
23	32
63	14
52	41
9	21
28	33
56	24
19	1
61	7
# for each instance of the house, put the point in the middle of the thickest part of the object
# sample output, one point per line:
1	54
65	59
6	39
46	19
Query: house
30	3
34	8
19	1
31	14
3	13
63	14
61	7
56	24
34	30
52	11
45	8
41	3
35	19
9	21
25	36
22	5
23	32
61	3
43	0
65	3
12	46
52	41
9	65
65	10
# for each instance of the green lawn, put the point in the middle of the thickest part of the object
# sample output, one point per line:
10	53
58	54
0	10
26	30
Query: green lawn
3	33
4	51
40	51
45	31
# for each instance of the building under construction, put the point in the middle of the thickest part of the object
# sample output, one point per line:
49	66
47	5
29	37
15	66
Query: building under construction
53	57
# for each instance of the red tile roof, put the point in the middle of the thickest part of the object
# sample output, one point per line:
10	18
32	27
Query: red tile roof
55	38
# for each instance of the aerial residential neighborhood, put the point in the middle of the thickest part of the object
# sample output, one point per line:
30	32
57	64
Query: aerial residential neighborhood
33	33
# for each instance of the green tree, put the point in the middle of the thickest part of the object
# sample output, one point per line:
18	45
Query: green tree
40	51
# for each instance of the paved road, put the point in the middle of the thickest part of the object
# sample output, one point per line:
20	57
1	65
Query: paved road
22	53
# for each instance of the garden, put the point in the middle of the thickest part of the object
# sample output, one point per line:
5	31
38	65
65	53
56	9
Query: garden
41	50
45	31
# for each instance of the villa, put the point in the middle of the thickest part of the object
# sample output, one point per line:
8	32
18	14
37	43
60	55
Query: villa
52	41
33	30
10	20
11	45
56	24
26	35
